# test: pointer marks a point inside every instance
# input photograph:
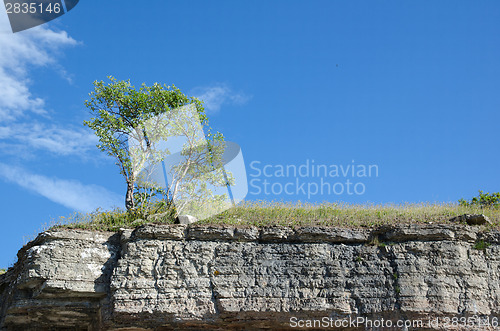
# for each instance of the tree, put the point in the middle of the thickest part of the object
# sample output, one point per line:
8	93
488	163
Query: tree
122	115
483	200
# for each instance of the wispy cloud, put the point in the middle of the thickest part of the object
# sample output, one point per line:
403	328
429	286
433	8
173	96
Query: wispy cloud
57	140
19	52
69	193
22	130
216	96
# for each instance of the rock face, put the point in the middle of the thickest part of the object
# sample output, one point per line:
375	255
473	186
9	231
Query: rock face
209	277
476	219
185	219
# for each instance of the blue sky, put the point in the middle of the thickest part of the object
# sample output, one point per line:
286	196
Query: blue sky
409	87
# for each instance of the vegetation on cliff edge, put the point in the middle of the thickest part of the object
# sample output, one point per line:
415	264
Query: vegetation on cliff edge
293	214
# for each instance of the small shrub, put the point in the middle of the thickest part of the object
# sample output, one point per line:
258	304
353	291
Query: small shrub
481	245
2	271
359	258
376	242
483	200
109	220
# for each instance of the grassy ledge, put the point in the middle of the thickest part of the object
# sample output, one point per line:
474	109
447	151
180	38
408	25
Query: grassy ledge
293	214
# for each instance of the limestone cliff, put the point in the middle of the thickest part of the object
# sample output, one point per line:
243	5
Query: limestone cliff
210	277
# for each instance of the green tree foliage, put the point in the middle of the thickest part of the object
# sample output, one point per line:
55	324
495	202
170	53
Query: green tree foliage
489	200
120	112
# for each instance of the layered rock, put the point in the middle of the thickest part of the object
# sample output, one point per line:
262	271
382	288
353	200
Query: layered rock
192	276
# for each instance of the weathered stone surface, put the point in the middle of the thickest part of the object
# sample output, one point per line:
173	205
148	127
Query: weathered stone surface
427	232
331	235
153	231
211	233
246	234
277	234
223	277
476	219
186	219
60	277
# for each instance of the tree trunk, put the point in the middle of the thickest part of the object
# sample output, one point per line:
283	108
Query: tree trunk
129	197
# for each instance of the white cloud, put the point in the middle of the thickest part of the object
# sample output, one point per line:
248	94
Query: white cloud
57	140
215	96
19	52
69	193
20	132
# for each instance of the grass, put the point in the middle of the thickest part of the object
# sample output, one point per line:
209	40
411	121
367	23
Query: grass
98	220
294	214
345	215
481	245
